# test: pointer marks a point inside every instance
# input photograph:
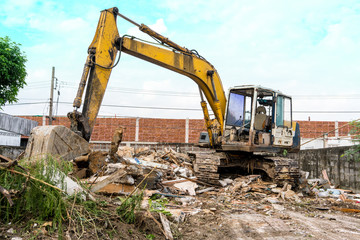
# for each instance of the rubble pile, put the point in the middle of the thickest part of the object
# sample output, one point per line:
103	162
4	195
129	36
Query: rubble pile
172	194
172	176
120	175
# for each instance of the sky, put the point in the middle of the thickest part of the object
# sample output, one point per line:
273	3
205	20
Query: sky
307	49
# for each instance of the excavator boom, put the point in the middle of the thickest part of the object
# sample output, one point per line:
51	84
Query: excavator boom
101	58
258	119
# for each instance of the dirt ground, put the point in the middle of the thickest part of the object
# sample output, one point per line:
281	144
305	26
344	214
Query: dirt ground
289	222
221	217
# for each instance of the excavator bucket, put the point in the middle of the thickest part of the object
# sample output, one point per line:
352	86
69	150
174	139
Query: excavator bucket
57	141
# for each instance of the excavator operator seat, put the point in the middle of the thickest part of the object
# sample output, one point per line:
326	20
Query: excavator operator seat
260	118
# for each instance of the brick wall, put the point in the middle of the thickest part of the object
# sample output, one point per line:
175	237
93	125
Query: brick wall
173	130
312	129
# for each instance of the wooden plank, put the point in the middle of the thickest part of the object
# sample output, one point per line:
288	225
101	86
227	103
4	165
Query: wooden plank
207	168
213	161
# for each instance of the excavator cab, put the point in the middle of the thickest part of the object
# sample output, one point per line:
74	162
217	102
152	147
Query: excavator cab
259	119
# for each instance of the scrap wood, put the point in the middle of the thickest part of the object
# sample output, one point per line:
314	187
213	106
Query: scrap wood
156	221
7	195
113	177
200	182
325	176
164	155
175	160
343	197
205	190
316	183
8	164
349	210
351	200
171	182
137	186
5	158
166	226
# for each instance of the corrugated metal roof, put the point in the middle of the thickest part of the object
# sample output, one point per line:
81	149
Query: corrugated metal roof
16	124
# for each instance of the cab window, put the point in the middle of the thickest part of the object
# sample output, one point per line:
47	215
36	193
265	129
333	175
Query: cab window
283	112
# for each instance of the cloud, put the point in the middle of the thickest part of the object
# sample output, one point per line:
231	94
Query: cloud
298	47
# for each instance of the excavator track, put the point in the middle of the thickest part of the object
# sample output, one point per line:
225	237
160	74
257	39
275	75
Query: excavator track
206	165
279	169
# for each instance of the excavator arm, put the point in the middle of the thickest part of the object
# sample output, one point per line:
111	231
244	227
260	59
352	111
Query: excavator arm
101	59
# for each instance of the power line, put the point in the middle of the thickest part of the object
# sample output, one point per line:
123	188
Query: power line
177	108
188	94
326	111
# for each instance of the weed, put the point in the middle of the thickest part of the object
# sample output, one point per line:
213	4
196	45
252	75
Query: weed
150	236
127	209
158	205
34	199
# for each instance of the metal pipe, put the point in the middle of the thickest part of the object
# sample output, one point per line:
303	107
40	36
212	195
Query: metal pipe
211	73
128	19
51	96
201	94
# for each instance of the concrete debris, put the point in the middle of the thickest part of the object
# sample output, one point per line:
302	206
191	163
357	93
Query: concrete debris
135	163
69	185
278	207
125	152
184	196
52	140
226	182
186	201
188	187
173	179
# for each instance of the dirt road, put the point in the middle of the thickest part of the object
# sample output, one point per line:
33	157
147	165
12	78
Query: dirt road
272	221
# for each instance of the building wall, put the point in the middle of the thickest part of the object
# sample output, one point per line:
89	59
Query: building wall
11	152
175	130
9	138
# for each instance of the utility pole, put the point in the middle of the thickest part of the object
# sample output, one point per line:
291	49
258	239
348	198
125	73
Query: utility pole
51	96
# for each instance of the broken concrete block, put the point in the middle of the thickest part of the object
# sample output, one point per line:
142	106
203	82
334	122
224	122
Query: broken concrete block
226	182
113	167
58	141
127	179
68	185
187	187
125	152
146	164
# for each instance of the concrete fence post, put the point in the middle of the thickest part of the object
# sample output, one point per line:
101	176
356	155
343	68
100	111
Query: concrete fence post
137	130
187	130
336	129
325	139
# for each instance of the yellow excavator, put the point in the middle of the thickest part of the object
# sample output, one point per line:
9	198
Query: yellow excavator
253	124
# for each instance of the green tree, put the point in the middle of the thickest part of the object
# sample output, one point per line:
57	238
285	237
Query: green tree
355	132
12	70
